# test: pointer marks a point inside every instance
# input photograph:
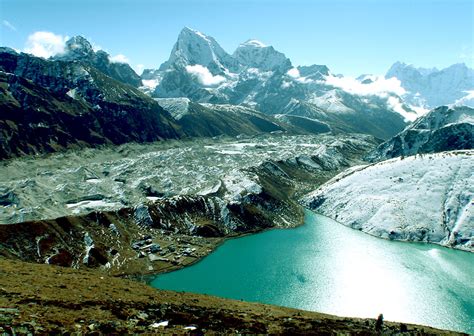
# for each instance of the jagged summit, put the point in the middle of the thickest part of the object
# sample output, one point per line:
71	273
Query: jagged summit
194	47
398	67
79	46
253	53
80	49
430	87
443	128
76	48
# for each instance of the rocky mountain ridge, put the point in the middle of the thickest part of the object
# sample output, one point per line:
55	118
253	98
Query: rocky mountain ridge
68	103
432	87
442	129
79	49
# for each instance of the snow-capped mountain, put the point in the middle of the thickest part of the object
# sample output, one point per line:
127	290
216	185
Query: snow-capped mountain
195	48
432	87
420	198
260	77
78	48
255	54
442	129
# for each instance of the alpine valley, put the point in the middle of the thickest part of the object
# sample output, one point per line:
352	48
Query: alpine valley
107	174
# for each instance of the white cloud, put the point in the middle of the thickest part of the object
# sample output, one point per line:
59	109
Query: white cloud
119	59
7	24
295	74
204	75
379	86
150	83
45	44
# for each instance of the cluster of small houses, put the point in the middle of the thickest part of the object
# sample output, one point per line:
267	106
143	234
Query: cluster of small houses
146	247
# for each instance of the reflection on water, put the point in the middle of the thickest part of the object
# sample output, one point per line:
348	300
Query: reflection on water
326	267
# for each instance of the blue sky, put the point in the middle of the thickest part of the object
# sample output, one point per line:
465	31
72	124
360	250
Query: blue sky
351	37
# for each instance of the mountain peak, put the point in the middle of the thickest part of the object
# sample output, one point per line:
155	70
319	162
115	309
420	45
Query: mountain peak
253	53
187	33
79	45
194	47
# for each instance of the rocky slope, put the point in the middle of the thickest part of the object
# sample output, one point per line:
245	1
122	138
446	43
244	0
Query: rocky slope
120	203
79	49
209	120
43	299
433	87
442	129
420	198
72	104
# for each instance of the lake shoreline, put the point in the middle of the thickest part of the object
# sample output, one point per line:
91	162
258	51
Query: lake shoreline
285	276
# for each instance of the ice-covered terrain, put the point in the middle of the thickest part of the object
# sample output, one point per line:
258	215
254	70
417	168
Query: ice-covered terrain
426	198
78	182
442	129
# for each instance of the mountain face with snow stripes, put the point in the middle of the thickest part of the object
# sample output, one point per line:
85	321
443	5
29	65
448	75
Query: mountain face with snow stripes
442	129
432	87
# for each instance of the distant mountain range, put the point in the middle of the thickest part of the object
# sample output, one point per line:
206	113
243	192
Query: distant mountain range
432	87
259	76
82	98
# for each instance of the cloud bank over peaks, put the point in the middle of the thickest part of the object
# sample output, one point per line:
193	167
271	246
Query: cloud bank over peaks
295	74
371	85
204	76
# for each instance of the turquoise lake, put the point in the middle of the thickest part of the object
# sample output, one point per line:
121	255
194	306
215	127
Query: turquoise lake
326	267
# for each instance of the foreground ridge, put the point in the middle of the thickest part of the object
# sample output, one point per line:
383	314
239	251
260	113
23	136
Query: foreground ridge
86	302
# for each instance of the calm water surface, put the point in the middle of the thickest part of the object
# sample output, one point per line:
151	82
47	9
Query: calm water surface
324	266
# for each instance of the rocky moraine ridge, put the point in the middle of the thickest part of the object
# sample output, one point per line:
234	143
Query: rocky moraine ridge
145	208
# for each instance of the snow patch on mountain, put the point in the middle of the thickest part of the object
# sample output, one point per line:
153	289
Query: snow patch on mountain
426	198
177	107
150	83
239	184
253	53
